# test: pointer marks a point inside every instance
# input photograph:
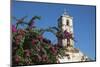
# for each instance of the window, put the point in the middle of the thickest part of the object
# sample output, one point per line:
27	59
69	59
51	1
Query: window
67	22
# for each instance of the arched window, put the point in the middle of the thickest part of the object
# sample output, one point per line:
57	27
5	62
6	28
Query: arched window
67	22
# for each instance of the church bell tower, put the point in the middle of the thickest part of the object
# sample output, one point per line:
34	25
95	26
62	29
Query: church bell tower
65	23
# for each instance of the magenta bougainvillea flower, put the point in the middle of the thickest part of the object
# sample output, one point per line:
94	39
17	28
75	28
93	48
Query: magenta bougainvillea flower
53	50
33	42
17	58
18	37
67	34
30	47
14	28
17	42
27	52
40	37
21	32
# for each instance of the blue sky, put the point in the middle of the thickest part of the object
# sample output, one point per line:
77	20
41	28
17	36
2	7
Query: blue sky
83	21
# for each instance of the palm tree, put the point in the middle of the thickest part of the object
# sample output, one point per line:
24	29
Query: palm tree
19	21
31	22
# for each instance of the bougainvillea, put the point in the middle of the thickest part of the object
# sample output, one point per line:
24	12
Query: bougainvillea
30	47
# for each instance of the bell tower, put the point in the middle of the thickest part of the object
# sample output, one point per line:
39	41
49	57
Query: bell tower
65	23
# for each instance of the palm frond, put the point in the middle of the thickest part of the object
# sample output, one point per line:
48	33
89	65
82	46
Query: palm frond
55	28
35	17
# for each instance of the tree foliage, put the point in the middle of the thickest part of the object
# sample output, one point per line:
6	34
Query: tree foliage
30	47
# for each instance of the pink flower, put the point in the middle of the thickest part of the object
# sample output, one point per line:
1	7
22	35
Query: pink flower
39	57
53	50
18	37
33	42
67	34
21	32
17	58
17	42
40	37
44	57
14	28
27	52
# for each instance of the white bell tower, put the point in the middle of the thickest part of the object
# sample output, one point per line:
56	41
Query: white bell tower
65	23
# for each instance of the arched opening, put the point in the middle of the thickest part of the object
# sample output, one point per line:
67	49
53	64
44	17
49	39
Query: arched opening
67	22
51	37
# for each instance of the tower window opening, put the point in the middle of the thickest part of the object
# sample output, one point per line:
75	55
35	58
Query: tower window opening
67	22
